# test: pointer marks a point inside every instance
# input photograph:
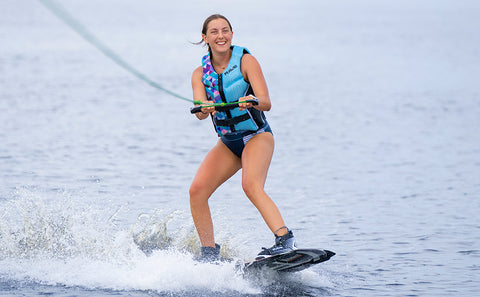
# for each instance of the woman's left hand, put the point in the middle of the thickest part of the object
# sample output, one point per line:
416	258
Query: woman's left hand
243	106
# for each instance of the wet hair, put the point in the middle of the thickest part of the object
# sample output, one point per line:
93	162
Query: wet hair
207	21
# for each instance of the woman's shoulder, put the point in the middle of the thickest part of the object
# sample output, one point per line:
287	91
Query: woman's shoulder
249	60
197	74
198	71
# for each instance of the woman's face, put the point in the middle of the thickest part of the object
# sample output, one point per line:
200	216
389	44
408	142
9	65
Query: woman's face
219	35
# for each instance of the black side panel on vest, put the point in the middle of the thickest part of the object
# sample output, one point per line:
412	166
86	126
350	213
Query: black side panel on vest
257	115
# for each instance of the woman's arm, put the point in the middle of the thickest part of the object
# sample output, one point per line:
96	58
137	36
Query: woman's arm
199	93
252	72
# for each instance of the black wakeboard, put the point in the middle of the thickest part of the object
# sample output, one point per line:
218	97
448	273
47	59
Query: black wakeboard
293	261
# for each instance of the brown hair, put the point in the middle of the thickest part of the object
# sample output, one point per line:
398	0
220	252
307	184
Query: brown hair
208	20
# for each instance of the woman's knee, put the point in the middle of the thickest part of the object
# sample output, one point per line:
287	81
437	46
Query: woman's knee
197	194
251	187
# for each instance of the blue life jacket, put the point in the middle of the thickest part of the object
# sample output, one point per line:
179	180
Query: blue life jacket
229	87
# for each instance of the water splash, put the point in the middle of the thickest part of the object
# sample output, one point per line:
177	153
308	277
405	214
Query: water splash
33	226
150	233
61	240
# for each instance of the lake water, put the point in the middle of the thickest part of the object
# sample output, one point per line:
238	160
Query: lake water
376	116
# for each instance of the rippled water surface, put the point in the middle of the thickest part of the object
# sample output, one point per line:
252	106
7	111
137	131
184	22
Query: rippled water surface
376	109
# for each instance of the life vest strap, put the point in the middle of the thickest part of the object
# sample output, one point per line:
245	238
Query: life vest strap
232	121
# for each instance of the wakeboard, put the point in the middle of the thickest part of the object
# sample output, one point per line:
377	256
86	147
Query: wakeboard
292	261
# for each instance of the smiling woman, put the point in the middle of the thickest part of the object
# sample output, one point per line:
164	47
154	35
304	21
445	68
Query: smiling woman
225	30
231	74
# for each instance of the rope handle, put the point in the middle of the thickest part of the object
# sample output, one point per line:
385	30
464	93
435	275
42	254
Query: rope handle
222	106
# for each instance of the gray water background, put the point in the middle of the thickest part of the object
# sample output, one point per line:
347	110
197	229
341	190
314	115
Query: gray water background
376	116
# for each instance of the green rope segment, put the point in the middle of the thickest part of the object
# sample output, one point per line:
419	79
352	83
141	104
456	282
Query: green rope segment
198	102
68	19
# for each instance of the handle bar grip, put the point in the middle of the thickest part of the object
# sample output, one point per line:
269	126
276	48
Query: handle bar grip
224	107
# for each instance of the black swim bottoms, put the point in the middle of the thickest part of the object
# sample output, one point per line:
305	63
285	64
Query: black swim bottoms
236	141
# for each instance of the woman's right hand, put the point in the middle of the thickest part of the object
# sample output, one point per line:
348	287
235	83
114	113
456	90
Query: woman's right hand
208	109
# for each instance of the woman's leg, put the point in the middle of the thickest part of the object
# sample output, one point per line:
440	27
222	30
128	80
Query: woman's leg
217	167
256	159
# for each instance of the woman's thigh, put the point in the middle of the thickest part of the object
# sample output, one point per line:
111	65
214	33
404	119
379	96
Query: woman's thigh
218	166
256	158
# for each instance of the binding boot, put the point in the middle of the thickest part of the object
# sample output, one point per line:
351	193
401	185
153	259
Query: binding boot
283	244
210	254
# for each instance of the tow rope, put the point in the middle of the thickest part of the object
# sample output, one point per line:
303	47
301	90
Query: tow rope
59	11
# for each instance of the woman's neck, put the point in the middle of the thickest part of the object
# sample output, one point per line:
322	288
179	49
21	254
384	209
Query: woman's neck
220	60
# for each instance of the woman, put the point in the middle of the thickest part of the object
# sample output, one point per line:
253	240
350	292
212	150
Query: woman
229	73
